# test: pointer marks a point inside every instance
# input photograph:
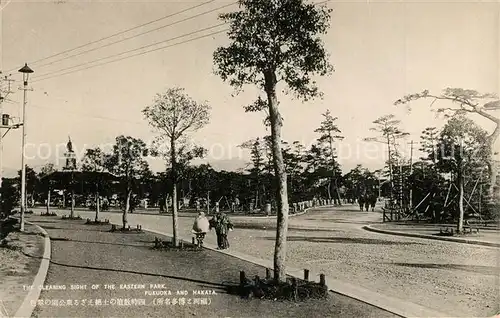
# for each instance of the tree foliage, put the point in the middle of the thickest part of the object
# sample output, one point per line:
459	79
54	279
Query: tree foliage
277	36
173	115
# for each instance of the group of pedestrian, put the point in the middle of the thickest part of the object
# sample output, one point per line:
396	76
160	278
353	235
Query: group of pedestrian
220	222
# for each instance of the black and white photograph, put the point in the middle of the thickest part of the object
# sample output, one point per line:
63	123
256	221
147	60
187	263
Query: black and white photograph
249	158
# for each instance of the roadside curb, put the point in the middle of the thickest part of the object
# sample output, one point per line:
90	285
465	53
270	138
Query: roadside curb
430	237
395	306
26	309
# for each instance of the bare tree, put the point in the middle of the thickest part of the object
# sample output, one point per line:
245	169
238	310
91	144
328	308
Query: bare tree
467	101
174	115
272	42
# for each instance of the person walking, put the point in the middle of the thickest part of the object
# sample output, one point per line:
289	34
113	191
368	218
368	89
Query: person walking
222	226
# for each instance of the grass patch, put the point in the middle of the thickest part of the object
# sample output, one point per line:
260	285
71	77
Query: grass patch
68	217
48	214
469	231
97	222
160	244
293	289
129	229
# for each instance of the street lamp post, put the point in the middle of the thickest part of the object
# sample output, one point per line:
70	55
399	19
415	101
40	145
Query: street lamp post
26	71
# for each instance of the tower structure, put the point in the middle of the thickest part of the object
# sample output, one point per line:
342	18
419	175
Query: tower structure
70	156
71	167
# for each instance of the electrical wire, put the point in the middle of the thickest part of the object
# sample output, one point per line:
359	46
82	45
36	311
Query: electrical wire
127	57
128	51
119	33
137	35
47	75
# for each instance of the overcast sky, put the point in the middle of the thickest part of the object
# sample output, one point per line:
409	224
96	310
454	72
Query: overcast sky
381	50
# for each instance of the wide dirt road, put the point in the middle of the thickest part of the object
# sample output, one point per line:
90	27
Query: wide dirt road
458	279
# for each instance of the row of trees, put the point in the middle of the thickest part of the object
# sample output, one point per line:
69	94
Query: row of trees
312	172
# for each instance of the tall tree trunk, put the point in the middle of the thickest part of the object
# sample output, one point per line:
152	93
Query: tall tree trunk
173	158
48	201
72	214
279	169
401	198
208	202
460	225
492	165
335	183
391	177
257	194
337	192
328	189
127	208
493	174
97	206
175	225
166	203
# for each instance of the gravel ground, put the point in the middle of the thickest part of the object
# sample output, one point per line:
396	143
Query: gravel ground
460	279
83	254
19	263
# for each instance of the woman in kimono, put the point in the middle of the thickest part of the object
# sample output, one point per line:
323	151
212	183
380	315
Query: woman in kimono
222	226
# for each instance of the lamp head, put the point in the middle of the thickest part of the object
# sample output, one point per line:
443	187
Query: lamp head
26	71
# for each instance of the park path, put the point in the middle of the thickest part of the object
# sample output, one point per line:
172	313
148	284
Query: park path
88	256
459	279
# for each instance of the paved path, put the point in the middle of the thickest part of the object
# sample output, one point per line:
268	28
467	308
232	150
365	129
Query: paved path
85	255
455	278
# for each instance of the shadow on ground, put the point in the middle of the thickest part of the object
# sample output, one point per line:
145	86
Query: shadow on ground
90	229
225	286
43	221
341	221
249	226
64	239
485	270
346	240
